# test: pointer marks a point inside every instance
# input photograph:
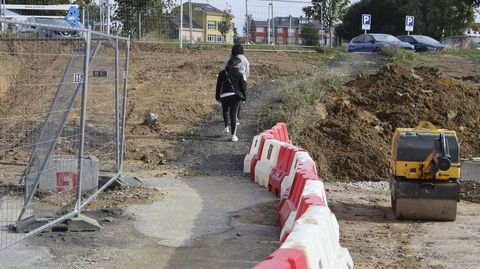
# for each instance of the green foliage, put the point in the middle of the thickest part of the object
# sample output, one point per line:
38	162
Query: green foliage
247	27
327	11
149	15
298	101
435	18
310	34
226	24
399	55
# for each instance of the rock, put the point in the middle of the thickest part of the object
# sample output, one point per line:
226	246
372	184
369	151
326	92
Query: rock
151	118
379	129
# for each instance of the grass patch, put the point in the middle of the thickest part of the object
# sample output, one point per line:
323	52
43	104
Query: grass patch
394	55
298	101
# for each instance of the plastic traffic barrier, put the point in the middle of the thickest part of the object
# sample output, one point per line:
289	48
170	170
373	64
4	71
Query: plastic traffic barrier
290	204
263	137
284	132
306	202
284	163
268	161
316	234
298	158
284	258
247	161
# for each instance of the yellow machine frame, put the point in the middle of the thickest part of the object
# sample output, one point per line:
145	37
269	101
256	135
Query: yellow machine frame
422	169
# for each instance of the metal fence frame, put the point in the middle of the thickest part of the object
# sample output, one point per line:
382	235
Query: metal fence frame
120	93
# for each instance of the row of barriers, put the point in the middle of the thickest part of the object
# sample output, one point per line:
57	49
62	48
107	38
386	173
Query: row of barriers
310	233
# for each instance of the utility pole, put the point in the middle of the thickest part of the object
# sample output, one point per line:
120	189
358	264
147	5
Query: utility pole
273	26
269	30
108	17
322	24
4	15
190	14
180	31
247	22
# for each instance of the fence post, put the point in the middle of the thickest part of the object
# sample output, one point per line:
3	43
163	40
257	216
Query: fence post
180	31
117	123
124	105
83	115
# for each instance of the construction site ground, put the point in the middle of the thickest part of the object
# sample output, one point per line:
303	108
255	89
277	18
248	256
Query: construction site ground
198	210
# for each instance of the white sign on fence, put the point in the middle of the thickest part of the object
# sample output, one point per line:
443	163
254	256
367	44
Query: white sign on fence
78	78
366	21
409	23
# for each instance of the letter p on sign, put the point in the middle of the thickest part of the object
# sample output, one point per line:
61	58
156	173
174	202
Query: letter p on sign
409	23
366	21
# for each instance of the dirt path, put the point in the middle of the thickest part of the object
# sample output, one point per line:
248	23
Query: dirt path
211	216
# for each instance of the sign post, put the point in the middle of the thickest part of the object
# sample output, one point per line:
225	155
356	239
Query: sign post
366	22
409	23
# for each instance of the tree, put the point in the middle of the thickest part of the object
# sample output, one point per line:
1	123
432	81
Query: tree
328	12
247	27
310	34
143	17
435	18
226	24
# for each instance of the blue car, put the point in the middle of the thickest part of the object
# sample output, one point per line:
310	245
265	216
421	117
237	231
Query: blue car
375	42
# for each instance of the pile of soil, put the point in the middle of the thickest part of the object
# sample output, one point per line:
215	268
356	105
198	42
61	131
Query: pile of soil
351	140
470	191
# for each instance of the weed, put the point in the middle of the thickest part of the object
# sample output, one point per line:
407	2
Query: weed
398	55
298	100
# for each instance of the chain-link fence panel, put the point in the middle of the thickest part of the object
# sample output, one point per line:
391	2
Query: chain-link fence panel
59	145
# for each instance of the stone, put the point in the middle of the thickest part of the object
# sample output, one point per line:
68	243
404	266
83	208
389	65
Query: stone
83	223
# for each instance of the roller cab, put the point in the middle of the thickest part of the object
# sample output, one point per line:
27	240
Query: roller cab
425	165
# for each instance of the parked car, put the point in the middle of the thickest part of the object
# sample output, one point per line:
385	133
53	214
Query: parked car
462	42
375	42
47	32
422	43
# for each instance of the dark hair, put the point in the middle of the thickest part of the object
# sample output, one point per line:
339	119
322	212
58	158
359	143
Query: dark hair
233	62
237	50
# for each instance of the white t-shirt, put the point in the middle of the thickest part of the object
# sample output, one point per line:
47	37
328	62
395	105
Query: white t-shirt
243	67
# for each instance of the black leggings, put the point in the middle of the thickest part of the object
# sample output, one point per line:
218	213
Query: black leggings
230	108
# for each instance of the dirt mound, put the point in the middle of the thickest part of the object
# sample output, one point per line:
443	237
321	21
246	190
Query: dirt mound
352	142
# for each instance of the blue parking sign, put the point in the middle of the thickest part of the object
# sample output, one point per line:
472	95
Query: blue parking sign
409	23
366	21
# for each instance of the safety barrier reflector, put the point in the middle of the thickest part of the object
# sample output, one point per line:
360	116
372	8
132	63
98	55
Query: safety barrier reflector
251	154
284	163
298	158
284	258
263	138
291	202
315	233
268	161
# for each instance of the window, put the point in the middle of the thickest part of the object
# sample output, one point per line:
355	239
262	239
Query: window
212	38
368	39
291	41
280	40
279	30
359	39
212	25
220	39
260	29
260	40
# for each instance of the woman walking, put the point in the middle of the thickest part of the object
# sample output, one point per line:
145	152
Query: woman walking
230	92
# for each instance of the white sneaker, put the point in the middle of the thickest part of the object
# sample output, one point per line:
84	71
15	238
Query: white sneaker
226	131
234	138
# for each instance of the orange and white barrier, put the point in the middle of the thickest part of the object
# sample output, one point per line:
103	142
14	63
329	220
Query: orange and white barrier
300	157
310	232
268	161
247	161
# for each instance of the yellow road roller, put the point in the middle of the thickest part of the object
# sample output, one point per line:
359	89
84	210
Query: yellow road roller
425	168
